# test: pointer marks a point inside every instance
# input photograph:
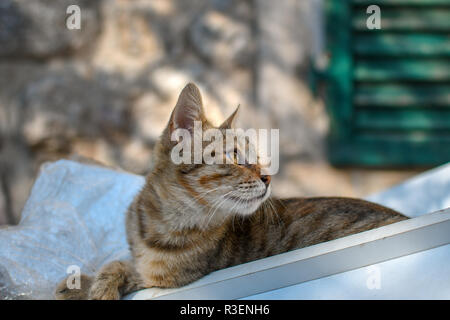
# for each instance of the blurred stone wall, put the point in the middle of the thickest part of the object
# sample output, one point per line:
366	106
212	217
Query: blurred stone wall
106	91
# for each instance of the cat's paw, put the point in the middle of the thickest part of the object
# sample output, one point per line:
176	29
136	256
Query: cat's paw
63	292
100	291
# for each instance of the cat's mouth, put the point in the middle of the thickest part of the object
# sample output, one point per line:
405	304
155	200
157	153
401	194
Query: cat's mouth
249	205
244	200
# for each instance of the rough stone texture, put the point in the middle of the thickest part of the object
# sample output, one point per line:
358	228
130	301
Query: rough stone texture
37	29
282	93
221	39
106	91
65	103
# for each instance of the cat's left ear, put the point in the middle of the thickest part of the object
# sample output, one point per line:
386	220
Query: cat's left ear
231	121
189	108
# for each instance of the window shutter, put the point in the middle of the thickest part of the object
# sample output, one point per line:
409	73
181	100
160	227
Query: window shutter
388	90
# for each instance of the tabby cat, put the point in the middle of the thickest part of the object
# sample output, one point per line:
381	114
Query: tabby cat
189	220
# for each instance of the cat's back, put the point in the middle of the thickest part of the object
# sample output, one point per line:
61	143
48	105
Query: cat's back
300	222
338	210
322	219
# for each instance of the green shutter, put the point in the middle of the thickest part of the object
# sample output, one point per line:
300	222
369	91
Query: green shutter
388	90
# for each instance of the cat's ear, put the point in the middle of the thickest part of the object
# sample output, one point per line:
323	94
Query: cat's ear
189	108
231	121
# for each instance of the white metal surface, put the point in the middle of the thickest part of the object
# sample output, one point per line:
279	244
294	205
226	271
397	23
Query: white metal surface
423	275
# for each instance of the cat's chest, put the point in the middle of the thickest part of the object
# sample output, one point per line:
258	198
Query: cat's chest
157	266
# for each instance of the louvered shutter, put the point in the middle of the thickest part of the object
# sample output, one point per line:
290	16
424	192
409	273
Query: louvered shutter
388	90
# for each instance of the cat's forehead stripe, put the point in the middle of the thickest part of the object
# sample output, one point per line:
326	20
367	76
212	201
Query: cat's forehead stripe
210	178
191	190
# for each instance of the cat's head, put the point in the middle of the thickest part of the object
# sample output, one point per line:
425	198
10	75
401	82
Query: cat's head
230	187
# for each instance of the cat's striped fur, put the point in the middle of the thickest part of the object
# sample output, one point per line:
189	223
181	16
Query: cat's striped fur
190	220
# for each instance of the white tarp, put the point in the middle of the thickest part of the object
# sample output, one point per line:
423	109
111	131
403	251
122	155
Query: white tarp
74	216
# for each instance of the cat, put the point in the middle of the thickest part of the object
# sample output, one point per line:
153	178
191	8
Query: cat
182	225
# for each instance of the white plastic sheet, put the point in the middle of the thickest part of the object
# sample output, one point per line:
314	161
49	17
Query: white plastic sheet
74	216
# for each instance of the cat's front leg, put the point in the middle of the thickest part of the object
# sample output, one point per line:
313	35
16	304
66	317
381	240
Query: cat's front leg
64	292
114	280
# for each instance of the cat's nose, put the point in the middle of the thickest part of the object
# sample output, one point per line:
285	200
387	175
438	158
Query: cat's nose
266	179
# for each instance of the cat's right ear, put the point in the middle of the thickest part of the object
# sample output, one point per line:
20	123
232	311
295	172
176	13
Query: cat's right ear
189	108
231	121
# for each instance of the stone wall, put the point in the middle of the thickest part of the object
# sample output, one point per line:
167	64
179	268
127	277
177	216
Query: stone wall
106	91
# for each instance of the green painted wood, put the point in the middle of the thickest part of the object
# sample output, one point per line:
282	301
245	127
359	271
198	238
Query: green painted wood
401	19
402	45
398	81
402	69
422	3
339	73
402	119
377	150
413	136
401	96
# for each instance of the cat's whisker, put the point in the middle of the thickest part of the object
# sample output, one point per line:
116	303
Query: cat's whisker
216	201
197	198
281	202
232	193
274	211
266	211
234	206
223	199
232	222
209	191
240	220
